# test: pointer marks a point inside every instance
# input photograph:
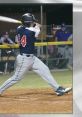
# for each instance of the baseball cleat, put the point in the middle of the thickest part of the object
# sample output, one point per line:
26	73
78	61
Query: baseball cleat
61	91
67	90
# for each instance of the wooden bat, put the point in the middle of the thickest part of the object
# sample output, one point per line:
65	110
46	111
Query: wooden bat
11	20
7	19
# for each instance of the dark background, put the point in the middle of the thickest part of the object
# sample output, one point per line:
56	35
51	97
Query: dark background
55	13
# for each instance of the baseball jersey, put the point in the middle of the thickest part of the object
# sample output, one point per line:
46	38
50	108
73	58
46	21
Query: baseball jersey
62	35
27	39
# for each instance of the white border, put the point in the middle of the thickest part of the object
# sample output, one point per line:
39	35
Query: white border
77	57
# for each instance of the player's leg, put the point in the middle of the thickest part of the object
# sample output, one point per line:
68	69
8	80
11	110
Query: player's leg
23	64
40	68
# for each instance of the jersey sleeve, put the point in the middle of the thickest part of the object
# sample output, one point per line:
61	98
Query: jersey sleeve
37	31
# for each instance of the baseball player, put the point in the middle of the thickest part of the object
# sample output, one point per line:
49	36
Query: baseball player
29	31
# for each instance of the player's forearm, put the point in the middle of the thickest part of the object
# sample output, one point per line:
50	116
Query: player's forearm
37	25
37	30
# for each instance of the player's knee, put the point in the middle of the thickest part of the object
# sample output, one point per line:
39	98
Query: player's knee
46	68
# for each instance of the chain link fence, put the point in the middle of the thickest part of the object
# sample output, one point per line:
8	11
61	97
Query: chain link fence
51	55
56	57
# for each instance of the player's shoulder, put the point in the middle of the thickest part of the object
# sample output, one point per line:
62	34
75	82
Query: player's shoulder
19	28
33	29
30	29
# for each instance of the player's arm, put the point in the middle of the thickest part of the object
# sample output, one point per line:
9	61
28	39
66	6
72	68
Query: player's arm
17	38
11	43
8	44
2	41
37	29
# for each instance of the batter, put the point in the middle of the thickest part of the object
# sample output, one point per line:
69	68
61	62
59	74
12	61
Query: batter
28	33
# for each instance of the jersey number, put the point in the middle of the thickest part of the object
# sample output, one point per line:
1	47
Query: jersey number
23	41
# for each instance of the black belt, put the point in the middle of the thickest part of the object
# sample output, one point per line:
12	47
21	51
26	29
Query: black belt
28	55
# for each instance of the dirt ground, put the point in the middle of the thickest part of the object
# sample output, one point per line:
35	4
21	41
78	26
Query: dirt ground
35	101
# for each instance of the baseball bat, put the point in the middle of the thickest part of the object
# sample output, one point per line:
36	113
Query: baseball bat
7	19
11	20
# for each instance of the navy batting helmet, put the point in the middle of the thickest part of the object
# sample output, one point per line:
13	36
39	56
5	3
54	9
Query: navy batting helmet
28	18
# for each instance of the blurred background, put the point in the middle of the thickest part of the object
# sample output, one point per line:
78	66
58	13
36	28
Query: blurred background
56	21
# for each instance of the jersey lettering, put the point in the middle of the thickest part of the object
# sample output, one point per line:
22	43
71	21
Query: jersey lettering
23	41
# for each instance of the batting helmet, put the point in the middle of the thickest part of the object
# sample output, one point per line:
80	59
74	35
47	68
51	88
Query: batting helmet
28	18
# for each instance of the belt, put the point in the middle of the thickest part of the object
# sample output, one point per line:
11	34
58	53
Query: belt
28	55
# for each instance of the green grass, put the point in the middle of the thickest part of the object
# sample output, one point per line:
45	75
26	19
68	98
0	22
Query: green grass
32	80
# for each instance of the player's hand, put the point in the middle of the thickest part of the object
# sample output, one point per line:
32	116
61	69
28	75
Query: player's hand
37	25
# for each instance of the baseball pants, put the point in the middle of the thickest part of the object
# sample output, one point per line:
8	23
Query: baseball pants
25	63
